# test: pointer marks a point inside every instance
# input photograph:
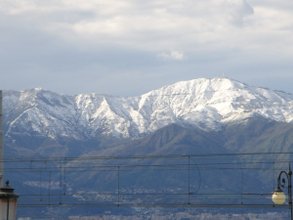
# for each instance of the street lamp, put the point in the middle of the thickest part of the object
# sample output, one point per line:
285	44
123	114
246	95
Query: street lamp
8	200
278	196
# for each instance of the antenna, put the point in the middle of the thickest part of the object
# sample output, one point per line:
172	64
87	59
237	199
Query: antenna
1	139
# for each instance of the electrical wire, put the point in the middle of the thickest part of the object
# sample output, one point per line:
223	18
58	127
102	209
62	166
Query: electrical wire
63	167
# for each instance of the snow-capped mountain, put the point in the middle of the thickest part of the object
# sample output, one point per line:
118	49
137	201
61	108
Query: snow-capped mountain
52	136
204	103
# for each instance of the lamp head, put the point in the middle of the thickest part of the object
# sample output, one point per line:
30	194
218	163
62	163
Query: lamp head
278	197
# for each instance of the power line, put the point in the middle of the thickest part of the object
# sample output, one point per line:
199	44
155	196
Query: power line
53	192
142	157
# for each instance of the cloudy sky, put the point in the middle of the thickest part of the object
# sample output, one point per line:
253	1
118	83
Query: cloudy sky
128	47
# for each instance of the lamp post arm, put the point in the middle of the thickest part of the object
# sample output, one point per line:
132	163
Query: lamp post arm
280	179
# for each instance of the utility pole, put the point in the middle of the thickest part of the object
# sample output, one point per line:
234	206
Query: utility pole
8	199
1	140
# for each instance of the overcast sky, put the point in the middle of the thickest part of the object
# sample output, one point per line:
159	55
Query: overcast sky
128	47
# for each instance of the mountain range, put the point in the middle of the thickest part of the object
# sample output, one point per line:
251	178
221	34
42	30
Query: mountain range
204	103
201	117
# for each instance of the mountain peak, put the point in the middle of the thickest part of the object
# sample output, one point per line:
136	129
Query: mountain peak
223	82
199	87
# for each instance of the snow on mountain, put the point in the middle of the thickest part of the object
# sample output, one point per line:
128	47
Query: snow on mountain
205	103
39	112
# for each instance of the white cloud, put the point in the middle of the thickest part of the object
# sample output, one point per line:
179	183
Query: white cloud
136	20
157	25
172	55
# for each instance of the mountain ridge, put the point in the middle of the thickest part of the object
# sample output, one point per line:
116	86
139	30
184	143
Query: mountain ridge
204	103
